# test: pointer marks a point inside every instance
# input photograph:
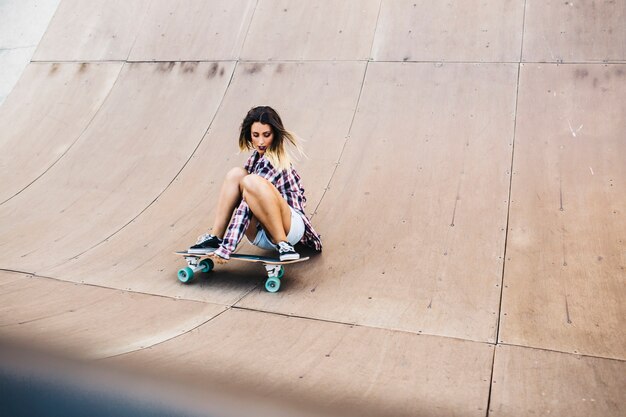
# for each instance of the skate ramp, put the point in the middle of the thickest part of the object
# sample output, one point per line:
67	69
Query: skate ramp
464	166
49	109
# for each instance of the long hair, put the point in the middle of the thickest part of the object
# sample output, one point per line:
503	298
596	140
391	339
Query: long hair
277	153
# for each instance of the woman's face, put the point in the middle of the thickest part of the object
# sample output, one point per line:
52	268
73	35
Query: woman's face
262	136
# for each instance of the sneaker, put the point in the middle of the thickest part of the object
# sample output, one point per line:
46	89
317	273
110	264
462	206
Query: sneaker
206	243
287	252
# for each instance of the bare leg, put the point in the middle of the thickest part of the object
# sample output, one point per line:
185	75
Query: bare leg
268	206
230	196
252	231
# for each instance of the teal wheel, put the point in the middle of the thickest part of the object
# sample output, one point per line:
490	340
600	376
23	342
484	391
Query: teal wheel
272	284
206	265
185	275
281	272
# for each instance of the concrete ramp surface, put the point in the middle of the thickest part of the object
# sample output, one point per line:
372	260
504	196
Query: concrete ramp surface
466	167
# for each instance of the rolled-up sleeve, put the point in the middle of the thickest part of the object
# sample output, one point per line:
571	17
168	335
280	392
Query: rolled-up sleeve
237	227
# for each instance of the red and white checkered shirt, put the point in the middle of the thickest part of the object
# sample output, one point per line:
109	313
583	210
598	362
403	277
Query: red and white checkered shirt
287	182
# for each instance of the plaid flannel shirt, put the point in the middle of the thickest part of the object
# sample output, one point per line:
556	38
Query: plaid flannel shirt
288	184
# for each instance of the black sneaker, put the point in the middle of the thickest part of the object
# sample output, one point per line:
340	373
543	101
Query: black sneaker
206	243
287	252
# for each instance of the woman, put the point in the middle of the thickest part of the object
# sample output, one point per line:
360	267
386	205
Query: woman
266	196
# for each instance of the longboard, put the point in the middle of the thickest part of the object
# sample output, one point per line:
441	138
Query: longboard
202	262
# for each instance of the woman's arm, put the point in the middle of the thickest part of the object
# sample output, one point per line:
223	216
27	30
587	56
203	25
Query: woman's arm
236	229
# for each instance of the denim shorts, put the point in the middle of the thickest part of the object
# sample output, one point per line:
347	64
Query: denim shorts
296	232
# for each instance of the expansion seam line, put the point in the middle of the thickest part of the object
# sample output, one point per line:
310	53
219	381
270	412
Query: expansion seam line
508	214
345	142
167	339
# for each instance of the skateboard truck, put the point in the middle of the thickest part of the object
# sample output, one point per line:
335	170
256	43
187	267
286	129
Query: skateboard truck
274	270
274	274
194	265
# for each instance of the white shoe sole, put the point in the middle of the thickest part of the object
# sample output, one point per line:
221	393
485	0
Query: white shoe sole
290	257
201	251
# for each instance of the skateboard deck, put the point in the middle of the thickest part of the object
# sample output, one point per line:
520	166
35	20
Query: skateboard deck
202	262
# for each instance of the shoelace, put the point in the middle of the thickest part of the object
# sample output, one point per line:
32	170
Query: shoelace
203	237
285	247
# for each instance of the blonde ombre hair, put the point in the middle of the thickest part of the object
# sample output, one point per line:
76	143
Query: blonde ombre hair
277	153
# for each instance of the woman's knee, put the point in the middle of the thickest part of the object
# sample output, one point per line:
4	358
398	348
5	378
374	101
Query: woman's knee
253	184
236	174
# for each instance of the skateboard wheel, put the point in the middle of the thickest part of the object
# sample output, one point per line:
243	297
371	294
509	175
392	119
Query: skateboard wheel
206	265
272	284
281	272
185	275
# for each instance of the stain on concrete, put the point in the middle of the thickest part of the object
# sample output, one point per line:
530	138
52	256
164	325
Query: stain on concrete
189	67
253	69
166	66
581	73
213	70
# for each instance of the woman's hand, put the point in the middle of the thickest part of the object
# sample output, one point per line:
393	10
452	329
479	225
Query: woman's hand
219	260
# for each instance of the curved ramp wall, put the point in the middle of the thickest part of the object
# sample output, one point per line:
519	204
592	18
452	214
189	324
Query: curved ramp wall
143	135
49	109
